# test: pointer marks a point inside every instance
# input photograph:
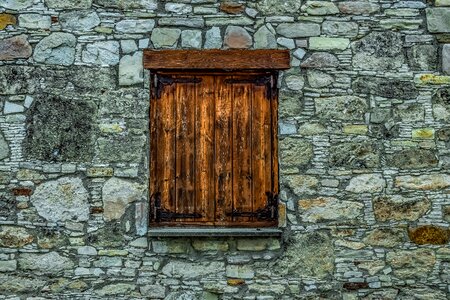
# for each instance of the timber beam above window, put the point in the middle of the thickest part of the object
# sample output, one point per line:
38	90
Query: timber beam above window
217	59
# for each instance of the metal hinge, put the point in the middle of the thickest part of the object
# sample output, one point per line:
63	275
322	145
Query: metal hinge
269	212
268	81
162	215
161	81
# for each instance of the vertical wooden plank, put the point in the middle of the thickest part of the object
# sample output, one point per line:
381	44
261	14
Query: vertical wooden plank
274	140
223	151
165	142
242	137
185	148
204	150
261	145
153	186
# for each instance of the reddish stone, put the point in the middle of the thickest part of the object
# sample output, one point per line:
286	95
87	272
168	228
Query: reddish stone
15	47
21	191
237	37
351	286
96	210
231	8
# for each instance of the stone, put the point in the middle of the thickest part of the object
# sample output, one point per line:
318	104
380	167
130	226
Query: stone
385	237
165	37
431	79
360	154
278	7
63	199
412	158
191	39
128	46
68	4
301	184
295	82
237	37
170	246
35	21
398	208
298	30
320	8
103	53
48	263
190	270
445	59
193	22
366	183
16	4
438	19
115	289
287	43
423	182
299	53
12	284
389	89
213	38
237	271
313	251
120	148
87	250
290	104
421	292
257	244
12	108
320	60
116	195
358	7
334	28
326	43
295	152
178	8
322	209
131	70
265	38
153	291
8	265
56	49
441	3
129	4
14	237
51	134
409	264
15	47
7	19
423	133
422	57
401	24
429	235
210	245
80	20
378	51
348	108
135	26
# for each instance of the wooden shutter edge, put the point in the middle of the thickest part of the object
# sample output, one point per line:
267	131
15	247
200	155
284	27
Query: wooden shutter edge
217	59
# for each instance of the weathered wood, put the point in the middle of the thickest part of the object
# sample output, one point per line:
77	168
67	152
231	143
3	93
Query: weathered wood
216	59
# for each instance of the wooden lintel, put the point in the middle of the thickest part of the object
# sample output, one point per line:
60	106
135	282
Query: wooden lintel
217	59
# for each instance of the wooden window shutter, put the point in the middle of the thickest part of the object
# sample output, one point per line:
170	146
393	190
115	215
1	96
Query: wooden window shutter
214	148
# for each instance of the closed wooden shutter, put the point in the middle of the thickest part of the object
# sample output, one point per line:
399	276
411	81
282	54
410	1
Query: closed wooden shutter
214	149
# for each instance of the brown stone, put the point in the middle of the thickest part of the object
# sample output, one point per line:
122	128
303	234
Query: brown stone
351	286
15	47
446	213
231	7
429	234
235	282
7	19
399	208
22	191
237	37
14	237
385	237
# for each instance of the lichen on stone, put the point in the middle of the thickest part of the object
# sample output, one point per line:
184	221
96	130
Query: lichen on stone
429	234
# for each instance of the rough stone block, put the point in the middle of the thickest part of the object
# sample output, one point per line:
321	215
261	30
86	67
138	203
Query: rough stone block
15	47
429	234
7	19
397	208
438	19
446	59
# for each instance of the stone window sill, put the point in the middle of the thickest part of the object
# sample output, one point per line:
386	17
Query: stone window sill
213	232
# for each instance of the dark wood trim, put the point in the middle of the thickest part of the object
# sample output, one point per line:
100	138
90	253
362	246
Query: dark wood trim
217	59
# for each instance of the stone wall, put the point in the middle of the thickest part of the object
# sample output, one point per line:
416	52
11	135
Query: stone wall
364	151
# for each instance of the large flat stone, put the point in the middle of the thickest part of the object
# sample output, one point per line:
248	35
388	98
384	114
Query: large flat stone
366	183
237	37
57	49
320	210
295	152
165	37
104	53
14	237
83	20
49	263
135	26
438	19
117	194
68	4
191	270
410	264
16	4
298	30
398	208
446	59
274	7
7	19
348	108
15	47
423	182
131	70
391	88
35	21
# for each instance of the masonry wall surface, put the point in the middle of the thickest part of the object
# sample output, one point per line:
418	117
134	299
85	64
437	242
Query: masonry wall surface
364	151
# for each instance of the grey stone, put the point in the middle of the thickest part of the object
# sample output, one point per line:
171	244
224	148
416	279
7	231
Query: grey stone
299	53
80	20
320	8
129	46
438	19
341	108
412	112
181	296
68	4
8	265
326	43
355	155
153	291
108	262
423	57
131	70
165	37
87	250
313	251
49	263
392	88
135	26
191	39
237	37
274	7
237	271
129	4
16	4
120	149
64	199
126	102
117	194
51	134
320	60
295	82
366	183
412	158
408	264
12	108
102	53
290	104
409	4
285	42
295	152
115	289
446	59
378	51
57	49
359	7
421	292
15	47
193	22
237	21
178	8
423	182
265	38
329	209
441	104
35	21
190	270
12	284
334	28
213	39
298	30
318	79
301	184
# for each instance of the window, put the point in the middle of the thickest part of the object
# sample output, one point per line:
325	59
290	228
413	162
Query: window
213	133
